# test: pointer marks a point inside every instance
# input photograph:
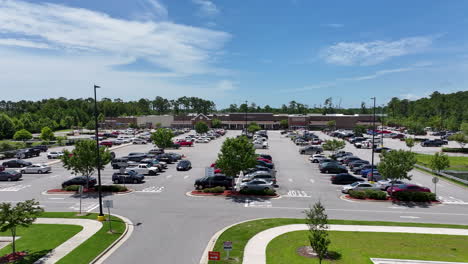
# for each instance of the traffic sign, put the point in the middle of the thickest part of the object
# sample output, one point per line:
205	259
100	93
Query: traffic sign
227	245
209	172
214	255
108	203
435	180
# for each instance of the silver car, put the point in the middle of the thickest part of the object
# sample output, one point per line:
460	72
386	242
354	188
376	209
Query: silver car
385	184
36	168
257	184
359	186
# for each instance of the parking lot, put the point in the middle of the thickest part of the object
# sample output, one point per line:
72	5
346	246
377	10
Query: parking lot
176	220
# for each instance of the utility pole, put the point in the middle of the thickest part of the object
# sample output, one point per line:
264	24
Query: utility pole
381	126
373	142
246	110
98	161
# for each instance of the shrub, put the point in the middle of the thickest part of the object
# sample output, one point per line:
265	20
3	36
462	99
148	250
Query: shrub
377	195
415	196
112	188
217	189
456	150
357	194
269	192
72	188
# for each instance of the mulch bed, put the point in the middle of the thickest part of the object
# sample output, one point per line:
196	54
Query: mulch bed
60	191
389	199
12	257
230	193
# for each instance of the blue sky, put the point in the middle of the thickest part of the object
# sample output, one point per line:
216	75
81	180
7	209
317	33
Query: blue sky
267	52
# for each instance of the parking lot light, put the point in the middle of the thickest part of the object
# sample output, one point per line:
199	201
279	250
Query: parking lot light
98	161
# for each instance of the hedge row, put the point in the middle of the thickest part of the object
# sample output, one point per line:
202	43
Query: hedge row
269	192
456	150
217	189
104	188
369	194
415	196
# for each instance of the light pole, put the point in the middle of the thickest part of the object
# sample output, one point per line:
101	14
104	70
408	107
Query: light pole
381	126
98	158
246	109
373	142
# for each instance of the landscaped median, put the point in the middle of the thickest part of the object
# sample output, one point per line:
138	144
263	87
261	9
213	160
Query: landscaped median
40	239
350	247
403	196
221	191
72	189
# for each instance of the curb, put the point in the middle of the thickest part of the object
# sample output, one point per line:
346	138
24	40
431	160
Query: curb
72	192
190	194
117	243
214	239
349	198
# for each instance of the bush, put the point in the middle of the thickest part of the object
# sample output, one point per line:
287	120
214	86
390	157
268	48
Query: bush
456	150
112	188
217	189
368	194
269	192
72	188
357	194
415	196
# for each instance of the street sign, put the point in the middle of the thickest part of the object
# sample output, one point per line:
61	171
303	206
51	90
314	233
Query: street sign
227	245
80	189
214	255
209	172
108	203
435	180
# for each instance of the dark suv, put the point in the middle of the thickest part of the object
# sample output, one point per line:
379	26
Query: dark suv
42	148
27	153
80	180
16	163
213	181
431	143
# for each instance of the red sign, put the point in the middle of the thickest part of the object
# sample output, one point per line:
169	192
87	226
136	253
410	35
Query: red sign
214	255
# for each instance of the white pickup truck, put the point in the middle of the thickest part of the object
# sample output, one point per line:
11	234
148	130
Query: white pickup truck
145	169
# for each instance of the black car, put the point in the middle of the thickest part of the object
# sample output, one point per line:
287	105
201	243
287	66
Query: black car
341	154
42	148
214	181
119	162
176	156
80	180
332	167
27	153
127	178
357	163
265	164
431	143
166	158
380	150
350	159
10	176
16	163
136	158
345	178
358	170
184	165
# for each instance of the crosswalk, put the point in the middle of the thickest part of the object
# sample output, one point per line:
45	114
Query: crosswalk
451	200
13	188
85	206
152	189
257	204
297	193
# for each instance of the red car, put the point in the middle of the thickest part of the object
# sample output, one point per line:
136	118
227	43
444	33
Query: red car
184	142
407	188
217	170
106	143
265	160
399	136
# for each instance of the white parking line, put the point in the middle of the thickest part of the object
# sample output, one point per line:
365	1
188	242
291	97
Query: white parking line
290	180
168	176
297	193
312	181
186	176
409	216
57	198
152	189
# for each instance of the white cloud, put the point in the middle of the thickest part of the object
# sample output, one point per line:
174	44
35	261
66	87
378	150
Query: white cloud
370	53
23	43
151	10
307	88
207	8
226	86
171	47
334	25
378	74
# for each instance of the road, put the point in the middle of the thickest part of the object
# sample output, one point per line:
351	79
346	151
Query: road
175	228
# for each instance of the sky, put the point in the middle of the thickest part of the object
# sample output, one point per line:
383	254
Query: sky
229	51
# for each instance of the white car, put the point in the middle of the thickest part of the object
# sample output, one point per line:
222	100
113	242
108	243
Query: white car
316	158
385	184
202	140
145	169
359	186
260	145
36	168
139	141
54	154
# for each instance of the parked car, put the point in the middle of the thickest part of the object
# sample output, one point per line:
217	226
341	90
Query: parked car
266	175
213	181
364	173
27	153
176	156
117	163
345	178
398	136
54	155
42	148
382	149
166	158
36	168
358	170
357	163
80	180
127	178
315	158
155	163
106	143
349	159
359	186
10	176
202	140
260	145
156	151
266	156
341	154
260	168
309	150
407	188
139	141
184	143
332	167
16	163
257	185
265	164
184	165
145	169
431	143
385	184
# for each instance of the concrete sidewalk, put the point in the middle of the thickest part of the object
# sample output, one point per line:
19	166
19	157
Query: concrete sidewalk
255	250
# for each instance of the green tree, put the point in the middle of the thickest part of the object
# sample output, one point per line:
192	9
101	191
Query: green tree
333	145
284	124
201	127
91	125
439	161
460	138
359	130
61	140
22	134
396	164
23	214
47	134
409	142
158	125
253	127
464	128
7	129
162	138
237	154
317	220
416	128
17	124
82	160
216	123
331	124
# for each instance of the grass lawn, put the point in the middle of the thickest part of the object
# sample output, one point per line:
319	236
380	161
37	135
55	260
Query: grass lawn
39	239
456	163
359	247
240	234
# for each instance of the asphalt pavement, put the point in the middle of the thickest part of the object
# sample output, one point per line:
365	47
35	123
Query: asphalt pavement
172	227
